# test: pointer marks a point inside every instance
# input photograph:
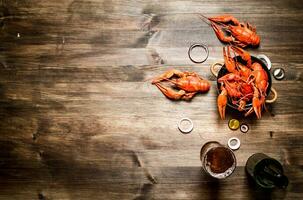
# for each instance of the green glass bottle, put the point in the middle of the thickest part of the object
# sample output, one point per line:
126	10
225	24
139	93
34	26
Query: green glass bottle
266	171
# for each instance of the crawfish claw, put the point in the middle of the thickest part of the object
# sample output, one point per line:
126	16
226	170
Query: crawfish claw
258	102
222	101
257	105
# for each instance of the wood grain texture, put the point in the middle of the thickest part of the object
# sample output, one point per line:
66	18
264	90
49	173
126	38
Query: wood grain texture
80	119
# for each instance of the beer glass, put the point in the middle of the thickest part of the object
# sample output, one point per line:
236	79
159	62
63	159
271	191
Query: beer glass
217	160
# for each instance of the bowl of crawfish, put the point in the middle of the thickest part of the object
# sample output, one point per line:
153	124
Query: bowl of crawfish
223	71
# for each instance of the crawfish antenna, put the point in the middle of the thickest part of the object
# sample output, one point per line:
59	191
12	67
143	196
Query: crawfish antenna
205	19
235	57
210	21
225	26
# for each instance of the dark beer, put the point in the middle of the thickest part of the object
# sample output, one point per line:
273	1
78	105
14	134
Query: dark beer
217	160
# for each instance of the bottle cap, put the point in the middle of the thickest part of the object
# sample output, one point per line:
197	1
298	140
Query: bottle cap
279	73
185	125
244	128
234	143
233	124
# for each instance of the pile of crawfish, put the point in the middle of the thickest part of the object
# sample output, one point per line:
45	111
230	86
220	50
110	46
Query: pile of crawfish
245	82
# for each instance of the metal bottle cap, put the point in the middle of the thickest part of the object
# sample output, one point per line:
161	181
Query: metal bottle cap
234	143
233	124
185	128
244	128
279	73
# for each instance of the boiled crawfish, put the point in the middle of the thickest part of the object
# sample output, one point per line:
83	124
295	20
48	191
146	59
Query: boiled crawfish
189	84
244	83
241	34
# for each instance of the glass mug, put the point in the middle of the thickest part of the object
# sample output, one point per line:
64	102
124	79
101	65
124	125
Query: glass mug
217	160
266	172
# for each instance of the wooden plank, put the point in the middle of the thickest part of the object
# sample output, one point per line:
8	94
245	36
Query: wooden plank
173	183
83	56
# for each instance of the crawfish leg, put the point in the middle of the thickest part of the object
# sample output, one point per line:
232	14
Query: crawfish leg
225	19
228	60
244	54
170	93
167	75
250	27
240	44
242	105
221	35
251	110
230	77
188	96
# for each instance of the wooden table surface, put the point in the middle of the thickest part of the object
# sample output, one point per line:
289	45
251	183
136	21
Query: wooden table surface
80	119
